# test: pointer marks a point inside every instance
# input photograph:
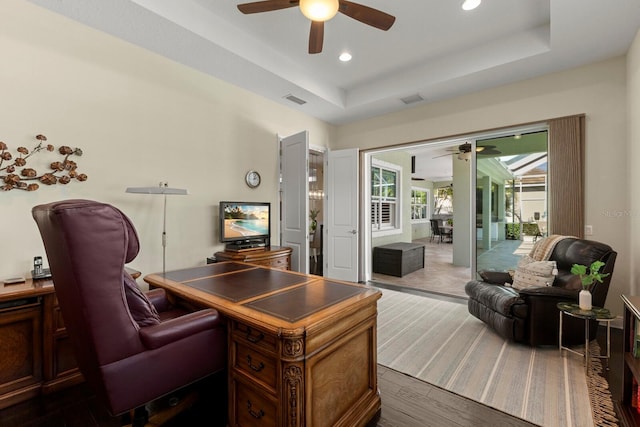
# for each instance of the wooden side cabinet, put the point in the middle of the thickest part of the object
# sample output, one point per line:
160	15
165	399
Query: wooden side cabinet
20	350
60	369
272	256
628	408
35	353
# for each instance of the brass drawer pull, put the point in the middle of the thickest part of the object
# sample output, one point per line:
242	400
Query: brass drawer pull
257	415
254	338
256	368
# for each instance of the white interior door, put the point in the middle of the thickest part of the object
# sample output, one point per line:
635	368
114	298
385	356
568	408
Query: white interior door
294	162
342	215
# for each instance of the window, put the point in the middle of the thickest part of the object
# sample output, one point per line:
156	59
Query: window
444	200
419	205
385	185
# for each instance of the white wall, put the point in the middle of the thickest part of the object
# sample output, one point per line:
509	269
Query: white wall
633	158
140	119
598	90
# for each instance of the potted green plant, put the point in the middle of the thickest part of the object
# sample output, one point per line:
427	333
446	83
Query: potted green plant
587	277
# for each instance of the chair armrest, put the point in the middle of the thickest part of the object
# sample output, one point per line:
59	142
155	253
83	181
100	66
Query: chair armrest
172	330
496	277
158	297
549	292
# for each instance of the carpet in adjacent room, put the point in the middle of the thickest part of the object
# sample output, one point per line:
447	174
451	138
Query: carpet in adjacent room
439	342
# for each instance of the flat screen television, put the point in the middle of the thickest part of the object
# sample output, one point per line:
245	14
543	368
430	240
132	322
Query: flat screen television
245	225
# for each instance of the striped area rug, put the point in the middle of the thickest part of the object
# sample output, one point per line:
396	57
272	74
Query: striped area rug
441	343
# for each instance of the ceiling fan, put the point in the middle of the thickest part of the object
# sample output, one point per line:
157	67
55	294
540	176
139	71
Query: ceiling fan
319	11
467	147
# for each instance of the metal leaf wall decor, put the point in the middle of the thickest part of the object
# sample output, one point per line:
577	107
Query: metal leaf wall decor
15	175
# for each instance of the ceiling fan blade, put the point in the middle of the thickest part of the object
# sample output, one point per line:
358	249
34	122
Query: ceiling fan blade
489	151
367	15
444	155
316	36
266	6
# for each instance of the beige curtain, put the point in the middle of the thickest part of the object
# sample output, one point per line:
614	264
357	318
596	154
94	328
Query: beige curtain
566	176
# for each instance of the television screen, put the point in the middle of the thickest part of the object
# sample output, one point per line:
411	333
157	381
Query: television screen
245	221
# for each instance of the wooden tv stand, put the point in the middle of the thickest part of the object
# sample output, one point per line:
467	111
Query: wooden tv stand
270	256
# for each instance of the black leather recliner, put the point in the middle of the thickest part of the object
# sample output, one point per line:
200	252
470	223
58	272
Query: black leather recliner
531	315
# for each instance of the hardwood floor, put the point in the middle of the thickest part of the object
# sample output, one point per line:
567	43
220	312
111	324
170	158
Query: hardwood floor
409	402
406	402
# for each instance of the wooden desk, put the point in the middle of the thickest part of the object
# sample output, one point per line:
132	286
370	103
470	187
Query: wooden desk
36	356
302	349
35	353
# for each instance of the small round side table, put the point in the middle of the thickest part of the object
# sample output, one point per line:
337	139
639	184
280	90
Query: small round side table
596	313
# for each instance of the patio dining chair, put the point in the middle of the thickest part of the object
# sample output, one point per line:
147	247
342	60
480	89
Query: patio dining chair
436	232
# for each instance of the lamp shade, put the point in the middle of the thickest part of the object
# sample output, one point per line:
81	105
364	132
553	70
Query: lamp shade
319	10
156	190
162	189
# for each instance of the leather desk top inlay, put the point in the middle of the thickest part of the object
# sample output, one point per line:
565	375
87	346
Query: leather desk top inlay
295	304
204	271
285	295
249	283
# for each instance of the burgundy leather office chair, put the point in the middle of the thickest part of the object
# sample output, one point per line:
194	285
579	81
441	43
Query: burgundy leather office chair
131	348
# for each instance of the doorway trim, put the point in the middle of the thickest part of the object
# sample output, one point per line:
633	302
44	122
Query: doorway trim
443	142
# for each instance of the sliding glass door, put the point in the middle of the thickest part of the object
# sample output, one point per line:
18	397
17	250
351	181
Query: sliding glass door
511	198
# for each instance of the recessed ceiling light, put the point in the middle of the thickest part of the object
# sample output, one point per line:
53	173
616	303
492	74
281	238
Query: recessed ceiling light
470	4
345	57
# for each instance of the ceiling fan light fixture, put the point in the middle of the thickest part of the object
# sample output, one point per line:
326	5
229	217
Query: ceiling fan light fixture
468	4
319	10
465	156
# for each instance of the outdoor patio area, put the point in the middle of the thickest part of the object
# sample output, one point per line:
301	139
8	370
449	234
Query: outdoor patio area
440	276
503	255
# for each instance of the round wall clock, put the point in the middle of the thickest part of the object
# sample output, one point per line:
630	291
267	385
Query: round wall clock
252	179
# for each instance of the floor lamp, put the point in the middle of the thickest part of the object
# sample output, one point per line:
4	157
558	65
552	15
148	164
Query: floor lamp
164	190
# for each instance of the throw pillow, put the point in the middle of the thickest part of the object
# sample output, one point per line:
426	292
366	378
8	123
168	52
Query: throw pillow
532	273
141	309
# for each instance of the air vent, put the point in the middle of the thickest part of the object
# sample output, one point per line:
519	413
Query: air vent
295	99
412	99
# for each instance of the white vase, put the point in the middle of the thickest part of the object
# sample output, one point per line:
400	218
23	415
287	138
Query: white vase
584	300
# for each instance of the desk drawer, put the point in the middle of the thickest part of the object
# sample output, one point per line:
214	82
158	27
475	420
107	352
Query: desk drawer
281	263
256	365
252	408
253	336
